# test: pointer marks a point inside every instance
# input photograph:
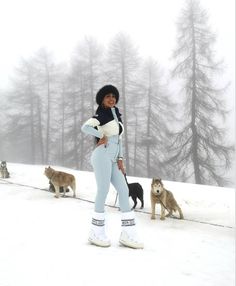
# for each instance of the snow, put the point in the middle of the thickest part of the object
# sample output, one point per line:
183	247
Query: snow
43	240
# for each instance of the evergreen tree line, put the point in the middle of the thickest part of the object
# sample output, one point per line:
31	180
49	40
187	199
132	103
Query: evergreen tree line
180	139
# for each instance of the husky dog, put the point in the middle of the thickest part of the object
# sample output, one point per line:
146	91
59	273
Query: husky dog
3	170
159	195
135	191
60	179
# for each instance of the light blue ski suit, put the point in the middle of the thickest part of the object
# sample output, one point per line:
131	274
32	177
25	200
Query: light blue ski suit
104	162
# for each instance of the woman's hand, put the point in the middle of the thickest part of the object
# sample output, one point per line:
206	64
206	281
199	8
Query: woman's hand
121	166
103	140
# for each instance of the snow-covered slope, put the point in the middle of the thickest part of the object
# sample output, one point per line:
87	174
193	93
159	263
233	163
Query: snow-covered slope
43	240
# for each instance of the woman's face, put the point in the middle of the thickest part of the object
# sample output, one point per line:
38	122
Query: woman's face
109	100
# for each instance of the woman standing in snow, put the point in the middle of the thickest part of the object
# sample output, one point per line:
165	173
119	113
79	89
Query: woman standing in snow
107	162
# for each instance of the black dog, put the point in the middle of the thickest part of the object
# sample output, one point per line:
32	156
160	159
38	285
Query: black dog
135	191
52	189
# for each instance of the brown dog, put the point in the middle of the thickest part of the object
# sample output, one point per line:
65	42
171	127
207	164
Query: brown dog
60	179
159	195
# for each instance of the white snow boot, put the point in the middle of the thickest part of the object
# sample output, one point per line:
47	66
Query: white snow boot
129	235
97	233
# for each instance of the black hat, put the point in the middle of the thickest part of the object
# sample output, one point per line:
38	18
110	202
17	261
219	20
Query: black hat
106	90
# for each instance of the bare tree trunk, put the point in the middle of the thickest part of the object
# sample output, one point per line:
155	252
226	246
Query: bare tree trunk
125	116
32	134
193	113
75	135
40	131
48	115
135	142
148	129
91	84
63	128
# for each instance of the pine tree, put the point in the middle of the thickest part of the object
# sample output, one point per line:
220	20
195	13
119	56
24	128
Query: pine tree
85	77
157	113
123	63
47	89
199	147
22	112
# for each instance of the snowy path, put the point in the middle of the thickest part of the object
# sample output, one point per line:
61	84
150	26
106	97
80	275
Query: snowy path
43	240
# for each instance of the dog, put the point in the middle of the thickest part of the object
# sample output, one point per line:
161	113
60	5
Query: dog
159	195
60	179
52	189
135	191
3	170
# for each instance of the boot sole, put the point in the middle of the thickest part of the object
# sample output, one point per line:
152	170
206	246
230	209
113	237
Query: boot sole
131	245
97	243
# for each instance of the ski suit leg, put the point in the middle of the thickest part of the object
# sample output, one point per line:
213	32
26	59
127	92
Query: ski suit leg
102	167
119	183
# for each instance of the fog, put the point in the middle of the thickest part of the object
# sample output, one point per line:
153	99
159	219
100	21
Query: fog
60	27
27	25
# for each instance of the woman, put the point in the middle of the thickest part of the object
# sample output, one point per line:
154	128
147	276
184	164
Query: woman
107	162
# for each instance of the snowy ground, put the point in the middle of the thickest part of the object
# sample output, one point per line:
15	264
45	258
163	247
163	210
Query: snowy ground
43	240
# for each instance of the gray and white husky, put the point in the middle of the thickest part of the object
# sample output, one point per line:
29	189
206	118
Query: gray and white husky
3	170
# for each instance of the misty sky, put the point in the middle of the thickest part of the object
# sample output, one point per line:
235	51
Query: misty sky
59	25
27	25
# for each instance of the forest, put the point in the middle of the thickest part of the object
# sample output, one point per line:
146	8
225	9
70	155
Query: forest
176	138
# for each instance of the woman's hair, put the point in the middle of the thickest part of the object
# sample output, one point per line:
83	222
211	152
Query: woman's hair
96	139
106	90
